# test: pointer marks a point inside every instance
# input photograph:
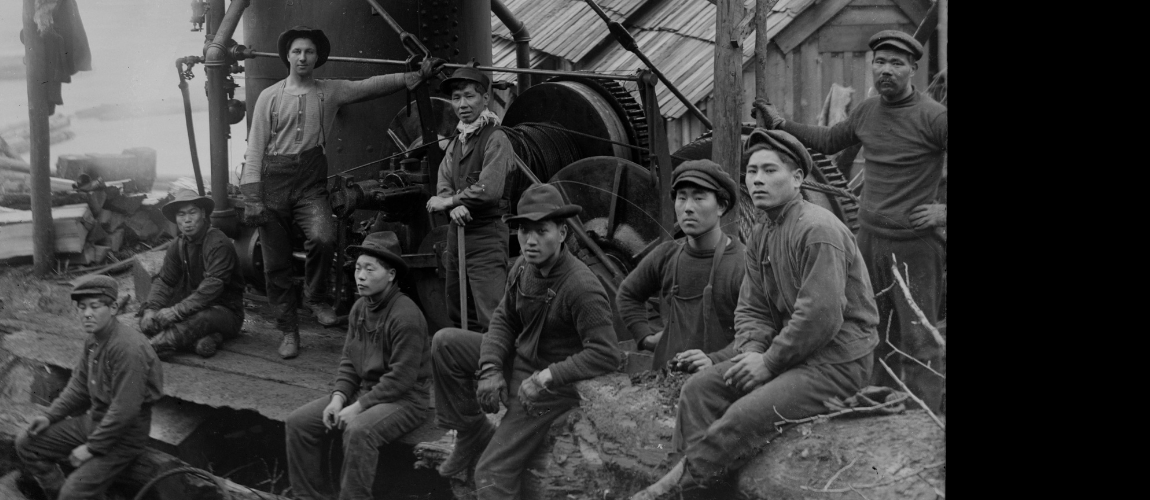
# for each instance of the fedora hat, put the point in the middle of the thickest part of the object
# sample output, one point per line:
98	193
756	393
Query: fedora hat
322	45
542	202
183	197
381	244
465	74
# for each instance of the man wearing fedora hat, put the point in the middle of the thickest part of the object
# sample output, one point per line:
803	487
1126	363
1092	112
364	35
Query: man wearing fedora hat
552	328
805	327
284	180
904	134
471	189
383	387
196	299
696	279
100	422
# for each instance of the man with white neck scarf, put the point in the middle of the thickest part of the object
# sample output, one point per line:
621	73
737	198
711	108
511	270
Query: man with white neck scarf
472	177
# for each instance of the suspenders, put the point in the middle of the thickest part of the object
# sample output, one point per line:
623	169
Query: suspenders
274	118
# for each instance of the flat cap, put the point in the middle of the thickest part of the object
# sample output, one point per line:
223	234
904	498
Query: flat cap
897	40
782	143
707	175
97	285
465	74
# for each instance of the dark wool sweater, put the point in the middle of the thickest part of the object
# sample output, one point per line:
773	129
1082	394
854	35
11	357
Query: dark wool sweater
807	296
578	339
198	272
654	277
387	354
904	143
117	380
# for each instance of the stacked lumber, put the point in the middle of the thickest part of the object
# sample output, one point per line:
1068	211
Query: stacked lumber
137	164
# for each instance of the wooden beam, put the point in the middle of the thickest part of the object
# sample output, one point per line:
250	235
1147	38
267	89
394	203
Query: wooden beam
43	232
852	16
808	23
914	9
853	38
763	64
727	111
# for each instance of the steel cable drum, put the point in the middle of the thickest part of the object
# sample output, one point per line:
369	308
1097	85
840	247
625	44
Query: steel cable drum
578	106
404	132
620	210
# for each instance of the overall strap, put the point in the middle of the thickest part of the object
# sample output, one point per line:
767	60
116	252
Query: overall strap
322	132
274	118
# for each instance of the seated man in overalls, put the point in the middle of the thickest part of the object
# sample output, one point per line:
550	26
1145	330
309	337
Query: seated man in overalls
697	280
284	180
552	328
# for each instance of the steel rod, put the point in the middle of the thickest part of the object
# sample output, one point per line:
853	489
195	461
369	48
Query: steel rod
544	72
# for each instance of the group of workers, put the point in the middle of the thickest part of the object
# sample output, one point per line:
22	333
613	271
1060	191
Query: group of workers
769	328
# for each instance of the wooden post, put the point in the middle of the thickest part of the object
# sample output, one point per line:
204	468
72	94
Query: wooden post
762	43
43	232
727	111
943	32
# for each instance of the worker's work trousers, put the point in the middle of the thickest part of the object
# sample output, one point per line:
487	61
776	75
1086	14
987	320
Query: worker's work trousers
42	453
215	319
720	428
308	441
295	193
505	466
486	246
920	261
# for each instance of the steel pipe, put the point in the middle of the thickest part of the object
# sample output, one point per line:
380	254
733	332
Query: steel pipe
522	41
217	65
544	72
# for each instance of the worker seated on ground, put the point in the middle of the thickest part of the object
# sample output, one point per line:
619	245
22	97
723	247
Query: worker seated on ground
552	328
100	423
471	189
197	299
696	280
284	179
805	326
384	384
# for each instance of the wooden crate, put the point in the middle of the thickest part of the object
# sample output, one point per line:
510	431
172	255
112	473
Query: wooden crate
72	223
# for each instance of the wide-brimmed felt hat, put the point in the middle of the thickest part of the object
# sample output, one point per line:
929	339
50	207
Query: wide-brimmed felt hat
465	74
897	40
382	244
183	197
322	45
705	174
782	143
100	285
542	202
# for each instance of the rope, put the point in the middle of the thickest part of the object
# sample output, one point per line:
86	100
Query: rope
544	148
184	470
831	190
401	153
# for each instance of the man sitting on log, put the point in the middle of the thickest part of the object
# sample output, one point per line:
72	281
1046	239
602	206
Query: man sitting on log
805	326
116	381
697	281
386	368
551	329
197	299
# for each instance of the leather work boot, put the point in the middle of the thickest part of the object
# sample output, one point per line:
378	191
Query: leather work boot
52	482
208	345
165	343
469	445
324	314
289	347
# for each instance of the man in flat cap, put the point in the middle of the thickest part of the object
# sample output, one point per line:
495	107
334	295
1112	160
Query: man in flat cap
805	326
552	328
696	279
284	179
904	135
472	189
383	388
100	423
197	299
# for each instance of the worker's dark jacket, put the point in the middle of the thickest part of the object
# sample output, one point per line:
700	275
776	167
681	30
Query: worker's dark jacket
387	354
117	380
483	191
818	307
198	273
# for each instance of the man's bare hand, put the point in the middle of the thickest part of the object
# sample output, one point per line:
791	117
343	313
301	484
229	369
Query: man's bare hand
932	215
438	203
460	215
37	425
166	317
649	342
80	454
347	414
692	360
331	411
749	372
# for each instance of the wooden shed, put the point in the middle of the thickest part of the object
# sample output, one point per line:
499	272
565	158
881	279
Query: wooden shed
827	43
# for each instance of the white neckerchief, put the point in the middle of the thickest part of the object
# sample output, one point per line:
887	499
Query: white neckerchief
467	129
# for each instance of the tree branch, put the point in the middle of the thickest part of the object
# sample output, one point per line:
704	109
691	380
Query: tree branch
921	316
908	356
911	394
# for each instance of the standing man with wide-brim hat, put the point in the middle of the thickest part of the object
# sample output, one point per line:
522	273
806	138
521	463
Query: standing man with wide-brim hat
472	189
197	298
383	388
284	180
905	135
552	328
